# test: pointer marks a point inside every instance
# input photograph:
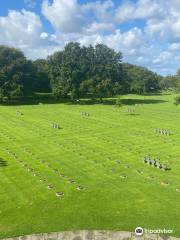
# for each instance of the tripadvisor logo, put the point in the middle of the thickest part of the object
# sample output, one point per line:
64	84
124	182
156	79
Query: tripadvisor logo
139	231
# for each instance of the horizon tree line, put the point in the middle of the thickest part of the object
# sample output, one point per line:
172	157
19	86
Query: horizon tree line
77	71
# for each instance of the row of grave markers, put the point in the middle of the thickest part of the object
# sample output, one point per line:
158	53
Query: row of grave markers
162	131
55	125
37	174
61	194
50	186
155	162
150	162
86	114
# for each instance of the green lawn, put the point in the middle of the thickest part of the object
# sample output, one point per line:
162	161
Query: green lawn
94	152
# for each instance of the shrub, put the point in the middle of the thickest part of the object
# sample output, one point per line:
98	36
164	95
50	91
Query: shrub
177	100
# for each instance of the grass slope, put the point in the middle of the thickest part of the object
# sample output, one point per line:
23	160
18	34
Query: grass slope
87	150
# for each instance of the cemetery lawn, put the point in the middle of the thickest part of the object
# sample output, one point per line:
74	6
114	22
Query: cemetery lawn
85	161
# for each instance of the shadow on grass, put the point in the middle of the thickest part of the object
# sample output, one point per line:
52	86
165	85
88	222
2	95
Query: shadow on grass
3	163
142	101
132	114
51	100
157	94
35	101
112	101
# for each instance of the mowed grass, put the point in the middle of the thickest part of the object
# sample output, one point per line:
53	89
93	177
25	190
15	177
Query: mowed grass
94	152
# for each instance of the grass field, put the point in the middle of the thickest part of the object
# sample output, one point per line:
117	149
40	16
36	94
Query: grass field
86	160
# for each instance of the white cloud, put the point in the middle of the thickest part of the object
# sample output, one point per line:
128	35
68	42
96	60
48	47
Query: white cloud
161	18
30	3
174	46
96	27
101	10
165	30
20	28
72	17
125	41
166	27
118	40
142	9
154	44
163	57
24	30
64	15
40	51
44	35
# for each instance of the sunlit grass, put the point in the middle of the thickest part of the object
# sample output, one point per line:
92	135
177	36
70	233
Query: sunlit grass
85	160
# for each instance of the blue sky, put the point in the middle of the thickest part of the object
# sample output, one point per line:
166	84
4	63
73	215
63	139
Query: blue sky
147	32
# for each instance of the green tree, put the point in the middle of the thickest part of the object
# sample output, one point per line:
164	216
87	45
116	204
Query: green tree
42	83
177	100
140	80
65	71
85	70
17	74
104	77
168	82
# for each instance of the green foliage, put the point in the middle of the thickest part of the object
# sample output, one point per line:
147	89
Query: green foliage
140	80
168	82
177	100
77	70
171	82
17	75
42	83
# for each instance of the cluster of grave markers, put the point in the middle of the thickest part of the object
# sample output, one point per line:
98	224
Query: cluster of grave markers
19	113
164	183
59	173
155	163
37	174
131	110
162	131
79	187
85	114
8	137
55	125
138	105
151	161
124	176
127	166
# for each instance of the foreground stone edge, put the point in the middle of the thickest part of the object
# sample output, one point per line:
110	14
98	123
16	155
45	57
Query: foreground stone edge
92	235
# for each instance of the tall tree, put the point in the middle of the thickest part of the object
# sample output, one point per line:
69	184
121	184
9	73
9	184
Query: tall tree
42	83
17	74
105	76
78	70
140	80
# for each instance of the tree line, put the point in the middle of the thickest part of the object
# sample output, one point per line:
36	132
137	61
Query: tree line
171	82
77	71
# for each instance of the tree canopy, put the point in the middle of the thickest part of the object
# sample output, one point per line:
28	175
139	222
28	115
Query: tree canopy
77	71
85	70
17	74
141	80
171	82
